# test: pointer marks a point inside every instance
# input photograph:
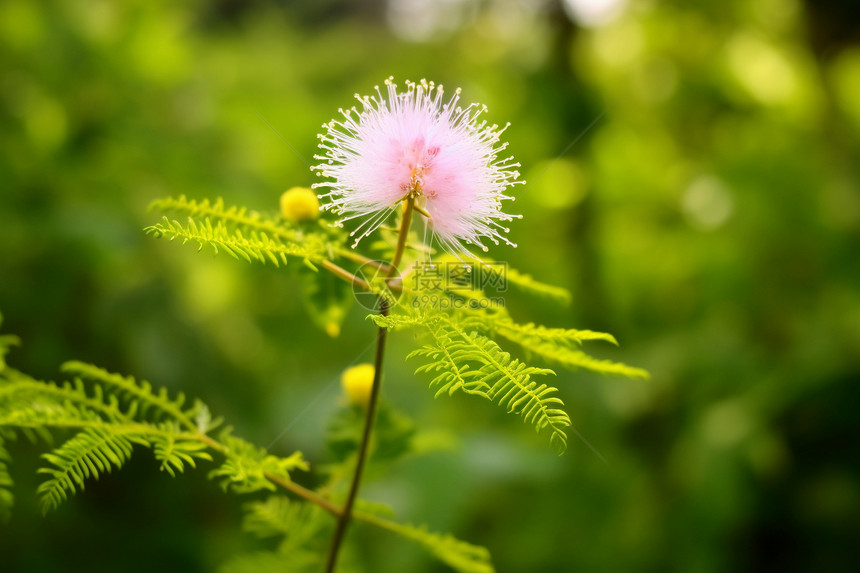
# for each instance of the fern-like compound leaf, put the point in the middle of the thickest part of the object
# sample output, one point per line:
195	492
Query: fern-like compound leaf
471	362
145	403
516	332
562	346
250	246
231	217
86	455
528	284
246	467
32	404
174	452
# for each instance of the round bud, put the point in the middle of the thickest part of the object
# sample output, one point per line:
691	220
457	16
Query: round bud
299	204
357	382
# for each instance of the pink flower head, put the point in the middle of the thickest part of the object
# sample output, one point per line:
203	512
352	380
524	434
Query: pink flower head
414	144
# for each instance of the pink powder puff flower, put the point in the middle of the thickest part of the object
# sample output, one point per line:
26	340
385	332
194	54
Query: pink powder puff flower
414	144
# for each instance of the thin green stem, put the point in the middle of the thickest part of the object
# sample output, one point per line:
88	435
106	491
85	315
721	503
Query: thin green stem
422	211
346	275
401	236
292	486
361	259
346	513
305	493
370	416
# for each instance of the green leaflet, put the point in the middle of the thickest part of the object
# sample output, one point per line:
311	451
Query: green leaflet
238	216
33	404
528	284
245	234
110	413
462	357
143	402
515	332
562	346
241	245
174	452
87	455
246	466
471	362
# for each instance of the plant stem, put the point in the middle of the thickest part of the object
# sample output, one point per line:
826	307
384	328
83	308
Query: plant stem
292	486
346	512
305	493
401	236
361	259
346	275
370	416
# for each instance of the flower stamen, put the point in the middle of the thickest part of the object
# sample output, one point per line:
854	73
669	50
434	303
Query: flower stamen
410	145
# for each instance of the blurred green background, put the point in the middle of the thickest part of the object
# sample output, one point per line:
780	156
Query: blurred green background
709	218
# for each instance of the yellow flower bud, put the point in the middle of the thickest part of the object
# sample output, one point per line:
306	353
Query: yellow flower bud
357	382
299	204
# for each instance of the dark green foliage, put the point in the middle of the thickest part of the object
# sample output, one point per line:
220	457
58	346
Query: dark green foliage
459	555
709	219
271	562
392	435
328	300
7	499
296	527
6	340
